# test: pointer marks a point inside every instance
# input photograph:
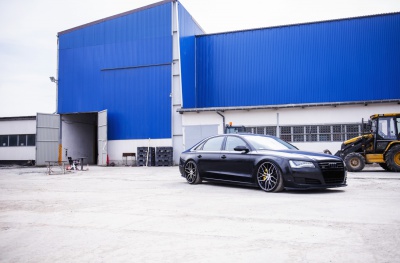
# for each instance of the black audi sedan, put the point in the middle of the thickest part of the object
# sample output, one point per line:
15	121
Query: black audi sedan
262	161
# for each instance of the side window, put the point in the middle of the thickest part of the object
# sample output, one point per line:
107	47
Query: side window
386	128
392	130
232	142
398	128
213	144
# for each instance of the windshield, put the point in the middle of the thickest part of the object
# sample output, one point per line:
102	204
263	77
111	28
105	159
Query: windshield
268	143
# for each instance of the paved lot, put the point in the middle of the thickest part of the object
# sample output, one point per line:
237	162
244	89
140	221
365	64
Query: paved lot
149	214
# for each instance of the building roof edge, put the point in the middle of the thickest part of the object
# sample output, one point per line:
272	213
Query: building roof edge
283	106
115	16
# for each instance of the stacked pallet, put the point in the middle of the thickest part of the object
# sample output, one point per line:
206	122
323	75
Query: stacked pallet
164	156
145	156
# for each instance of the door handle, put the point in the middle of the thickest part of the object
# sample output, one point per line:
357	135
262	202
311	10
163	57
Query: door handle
199	156
223	157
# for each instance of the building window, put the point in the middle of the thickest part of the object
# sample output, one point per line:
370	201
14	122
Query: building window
298	134
311	133
325	133
31	140
270	130
352	131
266	130
22	140
18	140
337	133
286	133
3	140
13	140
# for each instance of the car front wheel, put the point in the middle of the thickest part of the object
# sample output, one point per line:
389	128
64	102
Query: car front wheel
192	173
269	177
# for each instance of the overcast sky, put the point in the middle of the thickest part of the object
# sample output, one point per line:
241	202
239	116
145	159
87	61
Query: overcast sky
28	34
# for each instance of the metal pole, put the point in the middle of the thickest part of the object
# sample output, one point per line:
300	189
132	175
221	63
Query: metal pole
277	125
148	150
223	121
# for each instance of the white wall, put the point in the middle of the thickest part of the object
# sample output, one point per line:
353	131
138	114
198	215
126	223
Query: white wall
9	127
117	147
294	116
18	127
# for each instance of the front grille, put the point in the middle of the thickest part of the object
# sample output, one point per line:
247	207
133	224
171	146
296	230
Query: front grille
312	181
303	180
333	172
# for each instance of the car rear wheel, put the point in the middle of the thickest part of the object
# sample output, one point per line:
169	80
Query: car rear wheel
355	162
269	177
192	173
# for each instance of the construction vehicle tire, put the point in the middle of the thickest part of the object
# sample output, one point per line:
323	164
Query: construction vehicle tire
392	158
384	166
354	162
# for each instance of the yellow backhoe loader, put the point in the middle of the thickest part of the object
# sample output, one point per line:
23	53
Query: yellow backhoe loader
381	145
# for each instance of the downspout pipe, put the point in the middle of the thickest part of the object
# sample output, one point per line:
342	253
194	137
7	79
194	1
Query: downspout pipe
223	120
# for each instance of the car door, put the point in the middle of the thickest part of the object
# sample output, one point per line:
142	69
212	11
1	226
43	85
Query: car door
386	133
208	157
236	165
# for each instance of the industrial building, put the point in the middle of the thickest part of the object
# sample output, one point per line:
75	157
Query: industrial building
18	140
153	77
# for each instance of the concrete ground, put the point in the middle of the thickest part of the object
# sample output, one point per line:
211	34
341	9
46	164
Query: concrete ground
150	214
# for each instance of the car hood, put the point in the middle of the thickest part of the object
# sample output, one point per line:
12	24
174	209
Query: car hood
300	155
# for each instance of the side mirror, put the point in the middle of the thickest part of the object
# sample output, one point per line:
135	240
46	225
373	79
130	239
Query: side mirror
241	149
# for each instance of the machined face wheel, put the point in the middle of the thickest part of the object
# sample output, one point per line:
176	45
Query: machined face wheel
191	173
269	177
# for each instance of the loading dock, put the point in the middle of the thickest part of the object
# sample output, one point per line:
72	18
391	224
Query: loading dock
60	136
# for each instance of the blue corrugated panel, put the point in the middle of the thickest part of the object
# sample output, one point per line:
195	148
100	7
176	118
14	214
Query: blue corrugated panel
122	64
140	102
188	28
335	61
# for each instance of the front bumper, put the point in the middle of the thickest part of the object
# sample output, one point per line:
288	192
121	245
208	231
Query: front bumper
316	178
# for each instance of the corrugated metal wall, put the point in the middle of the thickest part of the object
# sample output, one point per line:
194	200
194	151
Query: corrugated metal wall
345	60
122	64
188	28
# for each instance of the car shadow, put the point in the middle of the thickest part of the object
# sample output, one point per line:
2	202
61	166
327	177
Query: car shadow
372	171
315	191
229	185
291	191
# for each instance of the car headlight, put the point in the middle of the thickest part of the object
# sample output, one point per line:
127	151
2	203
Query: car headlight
301	164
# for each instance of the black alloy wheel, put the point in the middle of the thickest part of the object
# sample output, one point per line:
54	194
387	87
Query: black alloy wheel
269	177
355	162
192	173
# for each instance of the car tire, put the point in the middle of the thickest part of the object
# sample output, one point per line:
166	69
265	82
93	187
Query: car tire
269	177
355	162
392	158
191	173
